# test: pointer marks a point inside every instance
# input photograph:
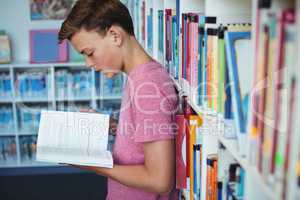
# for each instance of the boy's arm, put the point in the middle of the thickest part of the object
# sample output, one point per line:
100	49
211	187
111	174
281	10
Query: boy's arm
156	175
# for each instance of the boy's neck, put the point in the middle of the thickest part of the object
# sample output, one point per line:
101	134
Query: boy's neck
134	55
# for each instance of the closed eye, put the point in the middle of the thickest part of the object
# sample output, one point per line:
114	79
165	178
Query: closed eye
90	54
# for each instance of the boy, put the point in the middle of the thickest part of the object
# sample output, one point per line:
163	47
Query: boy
144	151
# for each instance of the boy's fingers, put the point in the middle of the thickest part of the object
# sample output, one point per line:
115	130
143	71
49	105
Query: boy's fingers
83	167
113	120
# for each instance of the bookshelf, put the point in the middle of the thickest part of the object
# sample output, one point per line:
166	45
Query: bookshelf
62	86
258	183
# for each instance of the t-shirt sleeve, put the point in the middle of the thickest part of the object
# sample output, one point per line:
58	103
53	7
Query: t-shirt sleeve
154	108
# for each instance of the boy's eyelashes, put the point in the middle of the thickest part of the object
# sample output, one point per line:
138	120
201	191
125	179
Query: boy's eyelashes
87	52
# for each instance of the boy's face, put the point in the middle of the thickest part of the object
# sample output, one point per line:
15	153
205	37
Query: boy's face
103	53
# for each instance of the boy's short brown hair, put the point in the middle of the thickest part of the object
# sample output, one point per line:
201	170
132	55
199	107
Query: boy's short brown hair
98	15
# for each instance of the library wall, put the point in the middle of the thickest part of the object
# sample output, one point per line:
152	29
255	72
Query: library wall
15	20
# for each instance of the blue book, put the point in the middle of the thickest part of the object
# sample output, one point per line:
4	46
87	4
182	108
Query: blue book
201	58
228	104
161	32
220	189
150	31
174	47
178	16
231	39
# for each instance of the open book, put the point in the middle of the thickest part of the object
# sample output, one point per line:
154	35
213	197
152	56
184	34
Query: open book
74	138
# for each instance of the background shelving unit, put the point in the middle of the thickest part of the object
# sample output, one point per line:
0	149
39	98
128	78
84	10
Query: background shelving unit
100	93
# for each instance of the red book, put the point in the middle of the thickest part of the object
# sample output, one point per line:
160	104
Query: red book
188	51
180	151
287	16
209	179
188	112
214	179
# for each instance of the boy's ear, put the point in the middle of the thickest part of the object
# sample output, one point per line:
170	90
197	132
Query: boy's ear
116	34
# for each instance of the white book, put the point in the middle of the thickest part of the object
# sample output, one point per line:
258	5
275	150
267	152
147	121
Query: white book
74	138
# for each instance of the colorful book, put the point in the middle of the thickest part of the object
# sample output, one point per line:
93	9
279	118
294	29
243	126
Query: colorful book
5	49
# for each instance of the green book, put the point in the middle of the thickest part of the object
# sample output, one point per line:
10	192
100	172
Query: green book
222	67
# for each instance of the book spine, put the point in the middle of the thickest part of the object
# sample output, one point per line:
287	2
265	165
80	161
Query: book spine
180	149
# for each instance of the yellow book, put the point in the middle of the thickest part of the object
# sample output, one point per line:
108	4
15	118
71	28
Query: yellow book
195	122
215	78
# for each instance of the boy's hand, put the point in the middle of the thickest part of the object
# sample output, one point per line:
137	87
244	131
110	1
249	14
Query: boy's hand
97	170
113	123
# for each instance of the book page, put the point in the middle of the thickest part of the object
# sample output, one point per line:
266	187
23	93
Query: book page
74	137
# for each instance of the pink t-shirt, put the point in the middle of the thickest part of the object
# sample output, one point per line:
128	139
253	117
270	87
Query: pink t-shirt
148	108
